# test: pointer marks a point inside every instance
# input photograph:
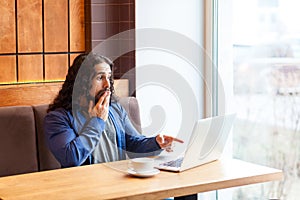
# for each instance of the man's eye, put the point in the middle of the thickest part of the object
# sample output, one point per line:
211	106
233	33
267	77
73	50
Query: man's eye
99	78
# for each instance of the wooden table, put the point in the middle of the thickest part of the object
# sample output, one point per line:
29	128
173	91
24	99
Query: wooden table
110	181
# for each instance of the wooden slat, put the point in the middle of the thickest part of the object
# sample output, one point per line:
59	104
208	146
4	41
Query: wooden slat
8	69
77	30
30	26
56	25
36	94
56	67
28	94
30	68
122	87
7	27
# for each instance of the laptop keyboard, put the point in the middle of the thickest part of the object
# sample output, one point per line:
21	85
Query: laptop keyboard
173	163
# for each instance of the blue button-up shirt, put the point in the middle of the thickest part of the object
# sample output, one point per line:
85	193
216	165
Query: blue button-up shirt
72	137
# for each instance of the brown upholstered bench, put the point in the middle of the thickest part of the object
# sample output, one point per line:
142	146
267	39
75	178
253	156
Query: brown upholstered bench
18	146
22	143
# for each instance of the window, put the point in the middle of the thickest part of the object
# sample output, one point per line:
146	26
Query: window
266	69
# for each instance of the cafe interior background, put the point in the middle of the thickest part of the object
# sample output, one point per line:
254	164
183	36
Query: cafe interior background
254	44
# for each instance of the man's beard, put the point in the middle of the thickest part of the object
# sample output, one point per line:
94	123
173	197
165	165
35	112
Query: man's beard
100	93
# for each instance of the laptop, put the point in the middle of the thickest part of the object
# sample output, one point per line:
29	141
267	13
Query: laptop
206	144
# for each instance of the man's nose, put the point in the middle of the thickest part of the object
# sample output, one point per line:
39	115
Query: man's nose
106	83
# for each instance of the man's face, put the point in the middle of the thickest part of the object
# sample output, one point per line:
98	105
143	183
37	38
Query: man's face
100	81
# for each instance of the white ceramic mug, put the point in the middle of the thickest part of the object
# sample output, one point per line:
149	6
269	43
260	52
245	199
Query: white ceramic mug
141	165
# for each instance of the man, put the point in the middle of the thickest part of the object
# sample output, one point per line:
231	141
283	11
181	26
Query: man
85	124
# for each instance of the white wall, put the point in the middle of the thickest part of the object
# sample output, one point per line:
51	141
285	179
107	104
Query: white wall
187	19
179	20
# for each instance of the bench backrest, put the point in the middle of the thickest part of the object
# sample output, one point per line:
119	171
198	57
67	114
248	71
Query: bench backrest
22	143
18	147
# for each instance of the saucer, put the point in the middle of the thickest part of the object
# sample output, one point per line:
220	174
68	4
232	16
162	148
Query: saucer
143	174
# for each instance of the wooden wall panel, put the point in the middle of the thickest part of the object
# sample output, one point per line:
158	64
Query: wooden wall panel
30	68
7	27
30	38
8	69
56	25
77	28
56	67
72	57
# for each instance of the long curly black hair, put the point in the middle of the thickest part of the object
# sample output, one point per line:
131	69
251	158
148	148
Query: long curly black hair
79	81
